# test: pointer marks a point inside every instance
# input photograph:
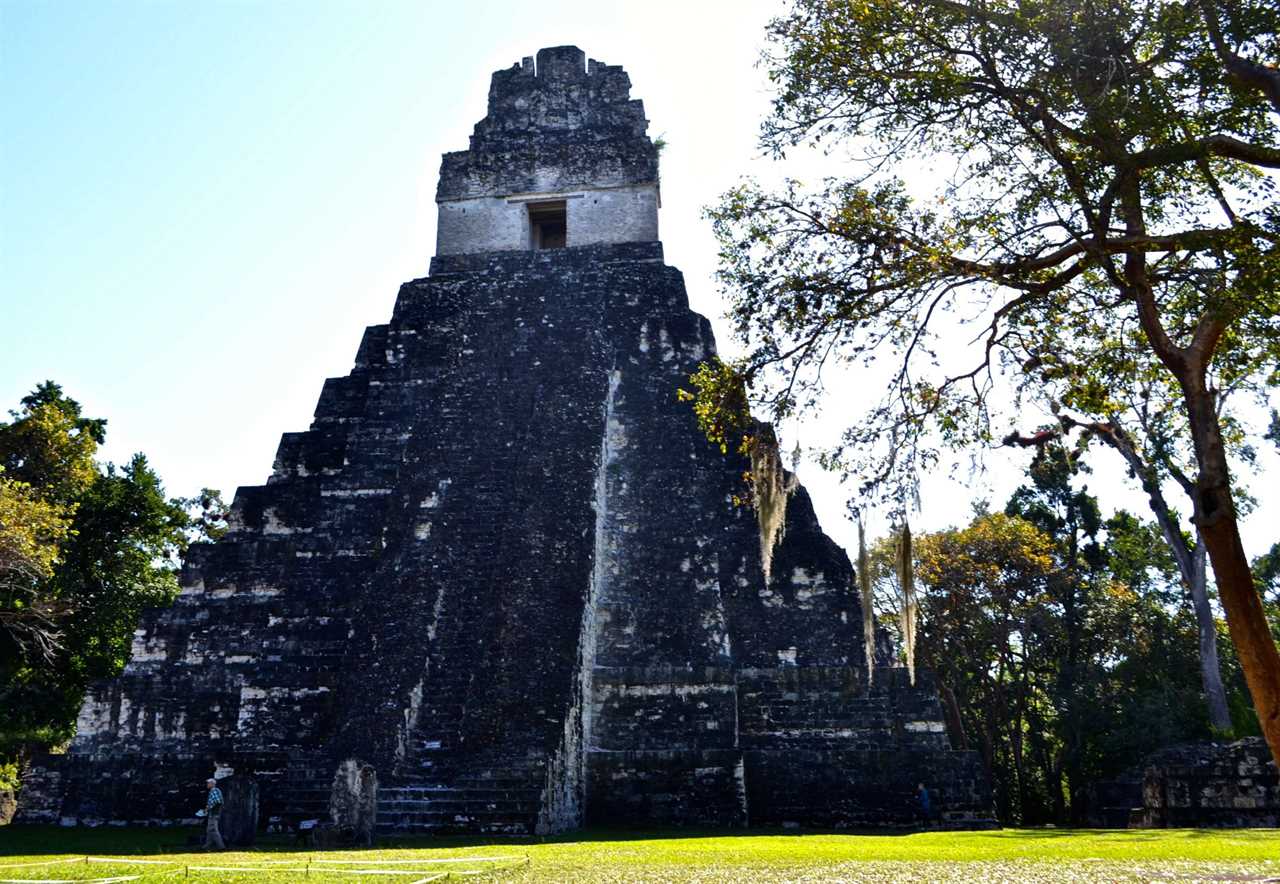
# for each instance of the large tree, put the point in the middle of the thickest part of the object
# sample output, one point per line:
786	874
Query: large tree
84	547
1105	219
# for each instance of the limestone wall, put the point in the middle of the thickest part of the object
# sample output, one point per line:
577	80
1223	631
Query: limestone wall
1195	784
558	129
627	213
1211	784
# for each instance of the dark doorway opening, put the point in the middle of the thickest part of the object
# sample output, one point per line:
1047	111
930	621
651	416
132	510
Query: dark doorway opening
548	225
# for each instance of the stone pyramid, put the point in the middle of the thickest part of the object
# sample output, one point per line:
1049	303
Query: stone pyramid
503	573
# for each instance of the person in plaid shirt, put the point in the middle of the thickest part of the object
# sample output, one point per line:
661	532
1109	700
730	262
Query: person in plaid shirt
213	811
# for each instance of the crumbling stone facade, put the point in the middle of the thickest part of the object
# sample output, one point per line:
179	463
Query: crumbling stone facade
502	575
565	135
1196	785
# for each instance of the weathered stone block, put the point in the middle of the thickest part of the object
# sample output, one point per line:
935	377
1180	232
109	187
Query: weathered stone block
353	802
239	821
1194	785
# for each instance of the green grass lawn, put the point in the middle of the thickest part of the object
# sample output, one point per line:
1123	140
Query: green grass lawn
1006	855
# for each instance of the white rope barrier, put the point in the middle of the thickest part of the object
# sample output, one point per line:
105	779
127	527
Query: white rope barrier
275	862
129	860
50	862
114	880
470	872
318	866
247	869
372	871
411	862
320	870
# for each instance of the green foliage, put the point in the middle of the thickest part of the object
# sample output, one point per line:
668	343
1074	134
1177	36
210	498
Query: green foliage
103	544
1062	642
1266	573
8	775
1106	205
1266	576
49	446
1103	241
983	631
720	403
208	513
31	530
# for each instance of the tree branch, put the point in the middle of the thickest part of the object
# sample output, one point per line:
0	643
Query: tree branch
1202	148
1263	78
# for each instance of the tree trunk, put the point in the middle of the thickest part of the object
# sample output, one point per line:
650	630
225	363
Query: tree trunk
998	782
1215	510
1216	519
955	724
1190	568
1210	671
1019	774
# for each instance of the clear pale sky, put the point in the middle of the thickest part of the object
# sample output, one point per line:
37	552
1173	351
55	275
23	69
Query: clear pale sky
202	205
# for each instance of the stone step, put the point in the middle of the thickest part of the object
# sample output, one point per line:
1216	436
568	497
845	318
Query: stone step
456	816
462	806
817	713
475	820
443	707
435	744
831	701
836	736
486	827
508	769
427	793
506	783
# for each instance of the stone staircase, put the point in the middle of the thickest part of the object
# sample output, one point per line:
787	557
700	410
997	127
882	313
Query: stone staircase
491	800
444	787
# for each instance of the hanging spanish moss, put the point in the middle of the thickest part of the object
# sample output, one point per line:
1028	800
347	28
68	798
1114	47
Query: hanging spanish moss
907	596
771	486
864	590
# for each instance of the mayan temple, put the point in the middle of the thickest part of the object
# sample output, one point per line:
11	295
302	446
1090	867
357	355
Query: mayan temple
503	573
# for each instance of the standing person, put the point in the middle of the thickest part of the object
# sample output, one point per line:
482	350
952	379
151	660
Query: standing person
922	795
213	811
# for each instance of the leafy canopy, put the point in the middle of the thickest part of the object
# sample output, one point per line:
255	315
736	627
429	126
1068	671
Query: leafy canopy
84	548
1101	205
